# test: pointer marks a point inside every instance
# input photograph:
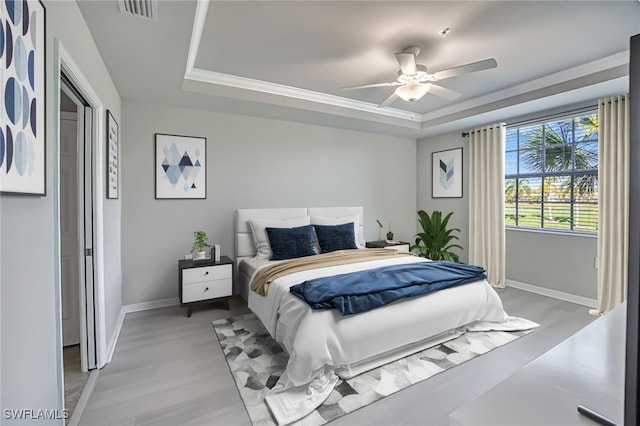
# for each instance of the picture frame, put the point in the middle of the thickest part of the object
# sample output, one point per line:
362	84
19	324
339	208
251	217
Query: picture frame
112	156
447	173
23	110
180	167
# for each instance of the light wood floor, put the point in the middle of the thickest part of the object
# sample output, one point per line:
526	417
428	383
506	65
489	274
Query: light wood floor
169	370
74	378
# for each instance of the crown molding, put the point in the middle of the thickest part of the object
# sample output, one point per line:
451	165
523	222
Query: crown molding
600	65
253	85
212	77
202	6
250	84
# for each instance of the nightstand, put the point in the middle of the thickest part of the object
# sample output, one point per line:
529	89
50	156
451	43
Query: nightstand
399	245
205	282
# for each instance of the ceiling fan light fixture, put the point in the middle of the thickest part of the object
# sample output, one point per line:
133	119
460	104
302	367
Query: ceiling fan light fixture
413	91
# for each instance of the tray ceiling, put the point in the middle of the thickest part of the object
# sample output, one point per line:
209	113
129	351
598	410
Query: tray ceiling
289	59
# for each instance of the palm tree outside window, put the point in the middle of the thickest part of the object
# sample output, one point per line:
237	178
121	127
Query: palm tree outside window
551	174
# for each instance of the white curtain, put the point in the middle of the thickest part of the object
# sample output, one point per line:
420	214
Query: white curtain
486	201
613	202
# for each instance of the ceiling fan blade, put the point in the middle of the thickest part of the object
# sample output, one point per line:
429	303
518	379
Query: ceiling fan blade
407	63
443	92
366	86
392	97
466	69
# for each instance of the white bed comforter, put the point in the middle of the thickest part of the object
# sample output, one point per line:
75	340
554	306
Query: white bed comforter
324	344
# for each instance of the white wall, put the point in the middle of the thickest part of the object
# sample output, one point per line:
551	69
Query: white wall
29	351
251	163
557	262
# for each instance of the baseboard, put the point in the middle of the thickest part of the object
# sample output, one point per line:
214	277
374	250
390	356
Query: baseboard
567	297
136	307
145	306
116	334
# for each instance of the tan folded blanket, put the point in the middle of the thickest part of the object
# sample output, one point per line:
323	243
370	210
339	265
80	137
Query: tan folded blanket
264	276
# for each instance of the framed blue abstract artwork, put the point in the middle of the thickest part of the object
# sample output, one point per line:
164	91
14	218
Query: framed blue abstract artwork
447	174
180	165
22	114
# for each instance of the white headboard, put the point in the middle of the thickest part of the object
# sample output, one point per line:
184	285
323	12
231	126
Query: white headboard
245	246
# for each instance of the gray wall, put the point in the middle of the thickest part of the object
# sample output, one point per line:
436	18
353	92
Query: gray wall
29	353
251	163
459	206
557	262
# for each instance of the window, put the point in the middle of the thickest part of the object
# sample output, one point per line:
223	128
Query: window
551	175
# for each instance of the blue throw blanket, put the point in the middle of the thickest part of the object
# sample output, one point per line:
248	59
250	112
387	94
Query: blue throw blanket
361	291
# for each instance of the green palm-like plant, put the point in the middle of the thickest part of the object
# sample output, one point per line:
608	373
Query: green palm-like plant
435	241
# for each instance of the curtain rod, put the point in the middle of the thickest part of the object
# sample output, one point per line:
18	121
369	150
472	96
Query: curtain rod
606	101
465	134
546	117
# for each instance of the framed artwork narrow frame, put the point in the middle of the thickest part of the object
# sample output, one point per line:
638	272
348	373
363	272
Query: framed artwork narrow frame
180	167
446	173
23	113
112	156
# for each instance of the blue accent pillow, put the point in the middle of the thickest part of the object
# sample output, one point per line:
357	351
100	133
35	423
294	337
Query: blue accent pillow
289	243
336	237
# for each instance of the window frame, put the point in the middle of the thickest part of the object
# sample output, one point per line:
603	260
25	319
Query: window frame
571	173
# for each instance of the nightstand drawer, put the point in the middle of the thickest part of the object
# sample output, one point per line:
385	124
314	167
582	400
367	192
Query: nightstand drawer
206	290
206	273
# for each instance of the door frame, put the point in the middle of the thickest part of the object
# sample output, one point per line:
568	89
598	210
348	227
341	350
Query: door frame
63	61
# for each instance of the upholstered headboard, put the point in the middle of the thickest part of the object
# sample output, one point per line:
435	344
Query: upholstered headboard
245	246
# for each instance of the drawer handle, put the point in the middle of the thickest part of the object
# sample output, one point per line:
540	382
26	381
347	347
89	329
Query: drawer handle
206	289
206	273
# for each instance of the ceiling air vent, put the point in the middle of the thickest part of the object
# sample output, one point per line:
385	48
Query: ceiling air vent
147	9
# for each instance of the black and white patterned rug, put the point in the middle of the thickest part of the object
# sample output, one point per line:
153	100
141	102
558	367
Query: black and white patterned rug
256	362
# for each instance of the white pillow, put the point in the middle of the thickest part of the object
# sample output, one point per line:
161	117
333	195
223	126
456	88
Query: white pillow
329	220
260	237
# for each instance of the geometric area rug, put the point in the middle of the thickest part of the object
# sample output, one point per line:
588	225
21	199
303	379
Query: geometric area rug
256	362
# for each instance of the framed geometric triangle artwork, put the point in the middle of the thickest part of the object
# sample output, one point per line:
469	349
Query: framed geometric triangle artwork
180	167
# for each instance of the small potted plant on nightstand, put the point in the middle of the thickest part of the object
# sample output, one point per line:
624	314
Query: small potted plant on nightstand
200	246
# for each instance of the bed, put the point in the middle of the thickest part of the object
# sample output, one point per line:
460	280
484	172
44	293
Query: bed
324	345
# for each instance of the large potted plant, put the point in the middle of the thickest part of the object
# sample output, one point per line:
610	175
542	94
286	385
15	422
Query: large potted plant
200	245
434	242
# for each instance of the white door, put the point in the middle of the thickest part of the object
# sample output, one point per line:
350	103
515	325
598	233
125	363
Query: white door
76	228
70	256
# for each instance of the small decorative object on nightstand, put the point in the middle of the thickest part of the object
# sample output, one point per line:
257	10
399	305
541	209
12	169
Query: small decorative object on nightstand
390	244
205	281
200	249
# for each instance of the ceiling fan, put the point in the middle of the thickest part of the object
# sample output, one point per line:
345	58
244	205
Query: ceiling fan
414	81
